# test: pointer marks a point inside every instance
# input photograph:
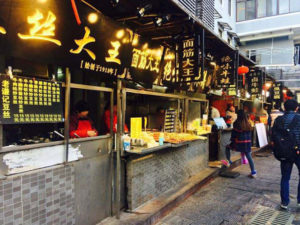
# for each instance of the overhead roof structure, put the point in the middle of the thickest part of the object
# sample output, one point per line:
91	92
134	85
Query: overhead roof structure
182	22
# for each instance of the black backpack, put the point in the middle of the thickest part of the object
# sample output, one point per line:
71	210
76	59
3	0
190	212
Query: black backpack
285	143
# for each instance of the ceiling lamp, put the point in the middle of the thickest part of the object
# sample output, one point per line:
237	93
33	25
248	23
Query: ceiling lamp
142	10
160	20
92	18
114	3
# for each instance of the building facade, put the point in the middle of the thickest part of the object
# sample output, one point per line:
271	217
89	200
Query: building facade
225	20
269	32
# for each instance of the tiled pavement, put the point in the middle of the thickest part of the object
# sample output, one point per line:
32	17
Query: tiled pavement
235	201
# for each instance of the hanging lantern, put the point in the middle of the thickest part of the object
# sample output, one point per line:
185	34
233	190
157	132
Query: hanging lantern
242	70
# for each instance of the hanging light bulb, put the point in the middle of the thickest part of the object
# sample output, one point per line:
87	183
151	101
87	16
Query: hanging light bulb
159	21
142	10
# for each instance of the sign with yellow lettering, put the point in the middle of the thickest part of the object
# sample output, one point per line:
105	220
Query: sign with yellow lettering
135	127
26	100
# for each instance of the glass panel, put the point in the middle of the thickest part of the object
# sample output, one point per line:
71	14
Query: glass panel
261	8
271	7
283	6
295	5
250	10
241	15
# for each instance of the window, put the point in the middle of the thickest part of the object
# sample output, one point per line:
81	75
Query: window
294	5
241	9
229	40
284	6
261	8
271	7
229	7
220	32
250	9
297	54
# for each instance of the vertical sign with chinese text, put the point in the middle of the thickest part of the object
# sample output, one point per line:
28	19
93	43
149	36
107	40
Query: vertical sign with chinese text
226	75
277	92
255	82
189	60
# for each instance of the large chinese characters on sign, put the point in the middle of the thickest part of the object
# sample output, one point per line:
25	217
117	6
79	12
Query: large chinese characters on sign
52	32
255	80
277	95
226	75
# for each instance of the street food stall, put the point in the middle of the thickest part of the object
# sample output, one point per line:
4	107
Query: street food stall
44	74
152	116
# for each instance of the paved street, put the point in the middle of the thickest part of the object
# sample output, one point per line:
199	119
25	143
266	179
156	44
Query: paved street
236	201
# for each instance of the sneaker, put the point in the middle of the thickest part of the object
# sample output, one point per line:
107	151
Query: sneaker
253	175
283	206
225	163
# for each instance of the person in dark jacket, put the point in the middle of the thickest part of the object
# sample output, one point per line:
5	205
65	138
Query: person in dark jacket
241	140
80	124
291	107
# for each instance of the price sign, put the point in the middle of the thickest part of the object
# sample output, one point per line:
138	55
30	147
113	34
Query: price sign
26	100
135	127
170	120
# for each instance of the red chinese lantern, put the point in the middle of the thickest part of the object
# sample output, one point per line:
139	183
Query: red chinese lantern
242	70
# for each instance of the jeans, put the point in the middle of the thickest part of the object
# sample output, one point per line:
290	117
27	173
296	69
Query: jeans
286	170
248	156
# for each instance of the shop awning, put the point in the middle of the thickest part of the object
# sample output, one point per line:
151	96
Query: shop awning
233	34
217	15
225	25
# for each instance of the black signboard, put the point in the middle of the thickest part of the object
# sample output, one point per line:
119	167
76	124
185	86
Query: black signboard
225	75
189	65
277	92
57	32
26	100
255	79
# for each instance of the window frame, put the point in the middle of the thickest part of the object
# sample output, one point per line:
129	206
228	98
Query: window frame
256	10
230	8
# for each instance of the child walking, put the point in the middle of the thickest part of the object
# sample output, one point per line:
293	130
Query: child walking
241	140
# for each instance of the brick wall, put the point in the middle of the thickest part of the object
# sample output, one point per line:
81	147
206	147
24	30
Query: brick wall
154	174
39	197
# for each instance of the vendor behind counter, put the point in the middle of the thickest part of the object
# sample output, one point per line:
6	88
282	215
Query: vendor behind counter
81	125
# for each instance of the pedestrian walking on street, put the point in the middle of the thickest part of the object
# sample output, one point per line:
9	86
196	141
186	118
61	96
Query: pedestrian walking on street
241	140
285	141
275	113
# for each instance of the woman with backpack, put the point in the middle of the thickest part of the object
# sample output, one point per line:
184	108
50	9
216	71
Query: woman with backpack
241	140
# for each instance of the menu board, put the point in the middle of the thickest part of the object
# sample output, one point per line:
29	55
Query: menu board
170	120
225	75
28	100
255	82
277	92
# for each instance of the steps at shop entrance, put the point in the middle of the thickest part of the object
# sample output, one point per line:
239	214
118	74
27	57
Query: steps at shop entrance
152	211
